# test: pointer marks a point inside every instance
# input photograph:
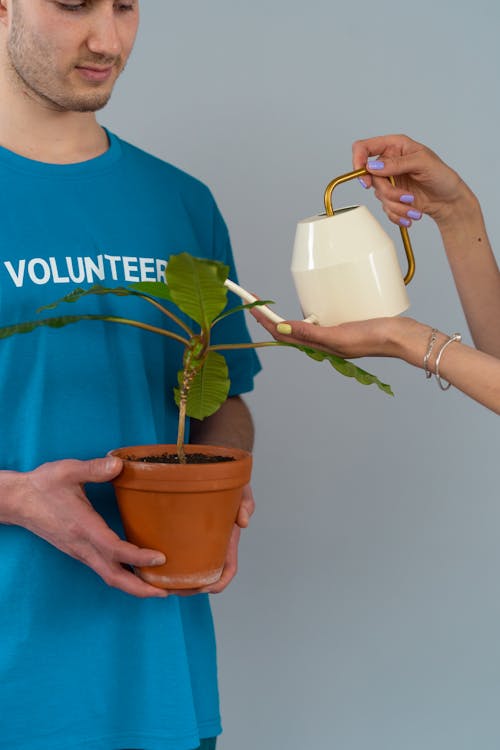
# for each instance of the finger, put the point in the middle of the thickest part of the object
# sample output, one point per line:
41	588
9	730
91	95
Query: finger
264	322
246	509
230	565
244	515
299	332
371	148
414	163
360	156
230	571
259	315
130	554
108	559
397	197
400	207
391	144
245	512
213	588
399	204
118	577
95	470
98	537
93	532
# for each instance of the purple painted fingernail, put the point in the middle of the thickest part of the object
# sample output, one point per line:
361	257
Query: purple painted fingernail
407	198
414	214
376	164
362	183
404	222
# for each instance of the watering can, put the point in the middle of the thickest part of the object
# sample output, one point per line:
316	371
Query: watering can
345	266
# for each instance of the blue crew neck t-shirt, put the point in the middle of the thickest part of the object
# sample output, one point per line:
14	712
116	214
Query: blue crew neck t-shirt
84	666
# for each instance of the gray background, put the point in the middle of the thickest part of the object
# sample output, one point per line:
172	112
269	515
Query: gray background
367	608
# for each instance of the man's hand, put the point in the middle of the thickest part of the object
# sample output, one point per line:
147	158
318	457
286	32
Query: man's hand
230	569
50	501
231	425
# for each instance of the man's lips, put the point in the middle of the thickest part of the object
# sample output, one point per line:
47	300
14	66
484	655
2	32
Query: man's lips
92	73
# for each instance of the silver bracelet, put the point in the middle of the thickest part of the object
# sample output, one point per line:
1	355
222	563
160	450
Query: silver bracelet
430	347
454	337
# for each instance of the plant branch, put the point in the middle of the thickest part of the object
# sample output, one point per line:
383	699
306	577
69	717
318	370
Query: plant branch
181	428
239	308
253	345
147	327
166	312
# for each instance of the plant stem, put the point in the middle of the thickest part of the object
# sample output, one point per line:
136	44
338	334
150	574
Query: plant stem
182	427
147	327
166	312
255	345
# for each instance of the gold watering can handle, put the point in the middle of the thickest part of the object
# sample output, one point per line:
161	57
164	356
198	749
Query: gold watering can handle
404	232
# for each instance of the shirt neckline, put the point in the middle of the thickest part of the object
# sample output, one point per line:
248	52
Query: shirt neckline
90	166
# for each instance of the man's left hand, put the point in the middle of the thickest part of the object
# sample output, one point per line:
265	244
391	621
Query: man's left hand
245	512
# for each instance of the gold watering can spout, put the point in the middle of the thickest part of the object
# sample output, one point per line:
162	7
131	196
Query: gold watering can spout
404	232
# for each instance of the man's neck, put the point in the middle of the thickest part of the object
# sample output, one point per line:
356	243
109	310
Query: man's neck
31	129
68	144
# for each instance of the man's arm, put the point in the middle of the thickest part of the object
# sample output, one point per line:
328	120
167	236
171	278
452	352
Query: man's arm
230	426
50	502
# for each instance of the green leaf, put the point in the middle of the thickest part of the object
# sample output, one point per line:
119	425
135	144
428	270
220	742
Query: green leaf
248	306
197	287
58	322
209	389
346	368
78	293
154	288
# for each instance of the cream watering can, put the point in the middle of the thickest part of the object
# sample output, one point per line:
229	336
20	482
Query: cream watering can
345	266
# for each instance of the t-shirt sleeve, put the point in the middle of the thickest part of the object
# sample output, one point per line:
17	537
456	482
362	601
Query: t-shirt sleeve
243	364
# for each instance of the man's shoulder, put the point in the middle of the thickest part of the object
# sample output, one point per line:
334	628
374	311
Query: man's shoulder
163	170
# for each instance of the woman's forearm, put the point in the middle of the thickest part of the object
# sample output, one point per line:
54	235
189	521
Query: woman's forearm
471	371
475	271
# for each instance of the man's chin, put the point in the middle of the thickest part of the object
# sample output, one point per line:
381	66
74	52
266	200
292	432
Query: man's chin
87	103
90	105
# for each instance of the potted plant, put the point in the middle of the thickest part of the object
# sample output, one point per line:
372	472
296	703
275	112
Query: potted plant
201	485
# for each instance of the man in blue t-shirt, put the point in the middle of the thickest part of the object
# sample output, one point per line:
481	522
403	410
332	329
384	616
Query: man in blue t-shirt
90	655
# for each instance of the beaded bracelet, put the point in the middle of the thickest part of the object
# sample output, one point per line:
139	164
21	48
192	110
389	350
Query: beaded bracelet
454	337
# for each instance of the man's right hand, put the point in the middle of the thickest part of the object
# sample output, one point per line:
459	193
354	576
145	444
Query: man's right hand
50	501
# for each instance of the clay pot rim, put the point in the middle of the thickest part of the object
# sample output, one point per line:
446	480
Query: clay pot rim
141	450
183	477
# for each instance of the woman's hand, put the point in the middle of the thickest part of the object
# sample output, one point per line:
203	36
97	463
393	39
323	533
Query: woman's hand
348	340
399	337
424	183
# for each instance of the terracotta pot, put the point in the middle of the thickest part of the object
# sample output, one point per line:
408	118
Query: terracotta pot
186	511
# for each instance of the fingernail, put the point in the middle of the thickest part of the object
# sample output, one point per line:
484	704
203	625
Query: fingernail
362	183
414	214
404	222
376	164
407	198
160	560
112	464
284	328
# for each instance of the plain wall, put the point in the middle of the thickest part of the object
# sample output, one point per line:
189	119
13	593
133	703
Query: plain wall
367	608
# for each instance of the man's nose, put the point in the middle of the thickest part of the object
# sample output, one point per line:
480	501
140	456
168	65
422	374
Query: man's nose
103	38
